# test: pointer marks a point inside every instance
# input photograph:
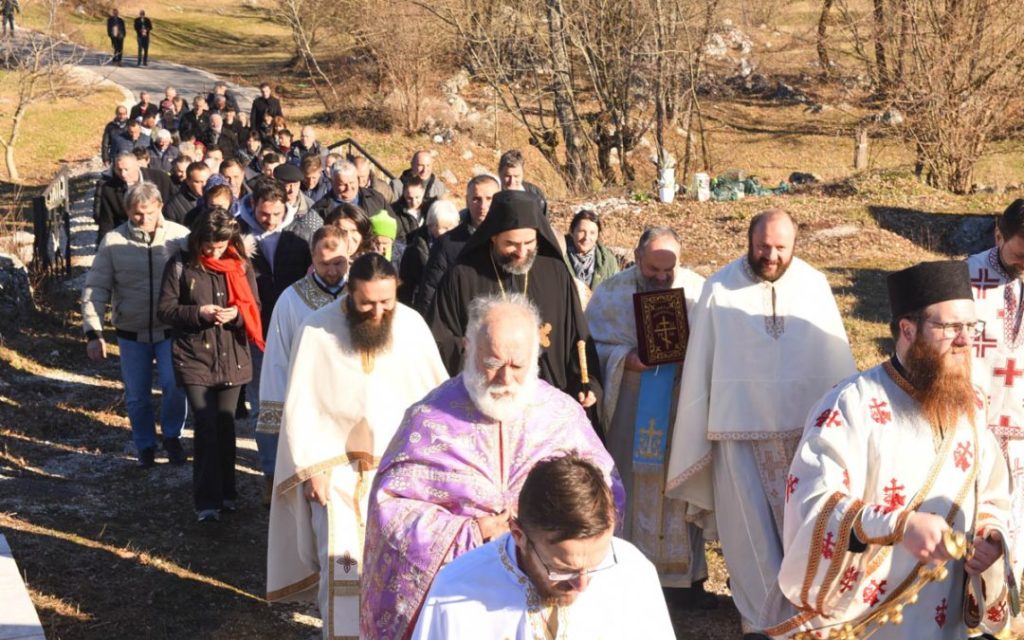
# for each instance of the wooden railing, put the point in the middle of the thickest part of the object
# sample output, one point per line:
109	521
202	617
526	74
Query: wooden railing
51	224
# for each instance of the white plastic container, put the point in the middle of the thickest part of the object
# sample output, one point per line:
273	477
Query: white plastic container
666	193
701	187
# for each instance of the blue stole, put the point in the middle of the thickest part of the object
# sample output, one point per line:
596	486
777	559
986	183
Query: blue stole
650	430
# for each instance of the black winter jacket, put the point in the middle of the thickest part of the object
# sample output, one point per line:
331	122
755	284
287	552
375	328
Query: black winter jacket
204	354
110	199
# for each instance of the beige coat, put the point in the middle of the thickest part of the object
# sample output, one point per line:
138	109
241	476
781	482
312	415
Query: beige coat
126	274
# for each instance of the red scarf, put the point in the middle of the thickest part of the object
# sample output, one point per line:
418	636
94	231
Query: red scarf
239	293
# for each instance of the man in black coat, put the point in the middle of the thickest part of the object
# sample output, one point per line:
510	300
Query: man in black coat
219	136
115	31
279	247
143	26
264	103
220	88
411	208
125	172
345	189
443	253
114	128
515	251
144	108
188	195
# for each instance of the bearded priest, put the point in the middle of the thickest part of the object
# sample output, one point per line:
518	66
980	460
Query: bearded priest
451	478
894	464
356	365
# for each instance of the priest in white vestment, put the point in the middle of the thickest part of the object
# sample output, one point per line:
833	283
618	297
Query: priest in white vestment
892	463
638	396
321	286
766	341
997	278
356	365
558	574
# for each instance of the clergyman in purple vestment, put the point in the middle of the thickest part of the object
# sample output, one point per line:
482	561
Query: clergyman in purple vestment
462	454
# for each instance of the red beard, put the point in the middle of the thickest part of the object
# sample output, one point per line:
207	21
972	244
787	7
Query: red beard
942	383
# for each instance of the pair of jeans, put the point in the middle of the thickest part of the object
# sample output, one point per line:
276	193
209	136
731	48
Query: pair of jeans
137	373
266	443
213	442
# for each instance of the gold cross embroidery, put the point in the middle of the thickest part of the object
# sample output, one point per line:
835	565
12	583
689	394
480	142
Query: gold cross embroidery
545	332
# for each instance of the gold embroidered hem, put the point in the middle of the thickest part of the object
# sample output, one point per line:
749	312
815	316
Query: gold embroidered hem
291	590
365	460
815	553
755	435
269	420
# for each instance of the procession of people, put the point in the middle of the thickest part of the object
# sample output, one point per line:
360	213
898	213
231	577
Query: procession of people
470	424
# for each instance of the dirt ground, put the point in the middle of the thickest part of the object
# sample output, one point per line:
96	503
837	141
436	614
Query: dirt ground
112	551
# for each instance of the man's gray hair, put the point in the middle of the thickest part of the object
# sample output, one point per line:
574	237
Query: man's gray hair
482	306
125	154
445	209
651	234
342	166
141	193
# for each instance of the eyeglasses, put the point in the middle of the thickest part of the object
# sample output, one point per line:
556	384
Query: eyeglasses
951	330
572	576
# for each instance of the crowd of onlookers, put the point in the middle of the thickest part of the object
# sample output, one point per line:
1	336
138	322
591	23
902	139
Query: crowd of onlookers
247	180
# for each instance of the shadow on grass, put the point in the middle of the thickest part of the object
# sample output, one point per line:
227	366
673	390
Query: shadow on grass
949	233
868	289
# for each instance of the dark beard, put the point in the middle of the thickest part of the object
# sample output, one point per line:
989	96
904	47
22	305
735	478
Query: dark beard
942	384
505	262
368	336
761	266
1012	272
651	284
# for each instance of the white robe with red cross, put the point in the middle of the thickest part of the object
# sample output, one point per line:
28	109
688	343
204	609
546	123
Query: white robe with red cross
867	460
998	368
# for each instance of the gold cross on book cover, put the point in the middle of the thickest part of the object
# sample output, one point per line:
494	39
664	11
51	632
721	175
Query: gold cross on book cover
662	327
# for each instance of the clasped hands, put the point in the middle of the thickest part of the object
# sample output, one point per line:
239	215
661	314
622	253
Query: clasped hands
217	314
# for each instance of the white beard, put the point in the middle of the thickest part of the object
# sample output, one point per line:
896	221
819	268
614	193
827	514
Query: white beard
502	403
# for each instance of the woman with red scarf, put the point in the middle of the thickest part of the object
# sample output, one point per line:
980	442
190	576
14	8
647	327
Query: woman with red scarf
208	297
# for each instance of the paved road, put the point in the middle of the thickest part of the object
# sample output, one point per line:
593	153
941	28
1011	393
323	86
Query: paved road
158	75
94	66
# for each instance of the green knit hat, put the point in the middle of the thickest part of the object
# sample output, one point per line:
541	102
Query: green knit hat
384	225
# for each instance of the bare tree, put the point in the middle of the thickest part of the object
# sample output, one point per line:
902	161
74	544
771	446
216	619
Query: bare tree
39	65
313	23
962	82
409	50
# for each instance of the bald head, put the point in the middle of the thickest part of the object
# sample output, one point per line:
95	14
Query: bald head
771	239
422	164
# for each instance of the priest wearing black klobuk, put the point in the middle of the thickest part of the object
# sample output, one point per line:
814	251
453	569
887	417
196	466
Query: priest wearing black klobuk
515	251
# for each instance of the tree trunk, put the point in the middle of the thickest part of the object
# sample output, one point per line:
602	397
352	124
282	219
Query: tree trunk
576	160
880	54
11	142
823	20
